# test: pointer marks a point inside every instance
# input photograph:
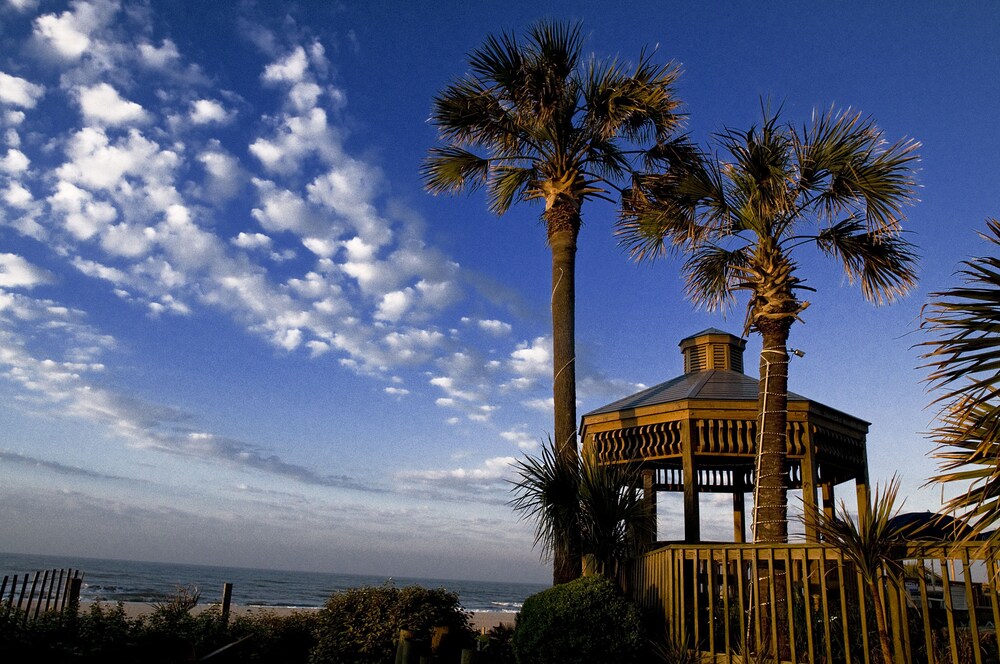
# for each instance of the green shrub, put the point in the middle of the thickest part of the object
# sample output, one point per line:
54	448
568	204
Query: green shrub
587	621
273	639
361	625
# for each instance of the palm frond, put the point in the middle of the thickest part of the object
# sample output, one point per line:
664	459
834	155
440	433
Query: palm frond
968	439
451	169
883	262
965	322
546	492
713	274
872	544
614	518
964	362
845	160
508	184
639	106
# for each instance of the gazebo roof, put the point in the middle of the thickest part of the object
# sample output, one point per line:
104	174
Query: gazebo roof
714	384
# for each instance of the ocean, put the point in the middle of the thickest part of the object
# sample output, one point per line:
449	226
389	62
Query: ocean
147	582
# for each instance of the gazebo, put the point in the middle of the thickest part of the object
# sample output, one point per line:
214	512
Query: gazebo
697	433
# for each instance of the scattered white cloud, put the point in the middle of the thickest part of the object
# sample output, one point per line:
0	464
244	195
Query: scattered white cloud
17	91
23	5
102	103
68	34
16	272
290	69
397	391
208	111
14	162
541	405
530	362
160	57
251	241
520	437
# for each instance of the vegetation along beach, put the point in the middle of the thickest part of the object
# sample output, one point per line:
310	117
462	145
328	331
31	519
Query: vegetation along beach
499	333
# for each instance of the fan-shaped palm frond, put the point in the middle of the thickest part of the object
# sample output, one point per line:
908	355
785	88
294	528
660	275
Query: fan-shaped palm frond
601	500
546	492
964	363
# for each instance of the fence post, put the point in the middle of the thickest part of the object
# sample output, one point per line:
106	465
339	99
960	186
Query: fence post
73	594
404	646
227	599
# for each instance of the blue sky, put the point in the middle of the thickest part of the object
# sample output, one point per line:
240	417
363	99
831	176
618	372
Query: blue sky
234	329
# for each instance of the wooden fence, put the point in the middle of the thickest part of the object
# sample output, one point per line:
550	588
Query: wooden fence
50	590
942	607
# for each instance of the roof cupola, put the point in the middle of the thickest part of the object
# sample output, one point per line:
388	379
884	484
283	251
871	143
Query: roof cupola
712	349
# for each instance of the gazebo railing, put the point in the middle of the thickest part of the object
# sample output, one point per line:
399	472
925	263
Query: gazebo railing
815	607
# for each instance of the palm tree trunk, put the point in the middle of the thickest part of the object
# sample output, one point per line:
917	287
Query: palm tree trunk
770	521
563	228
880	623
771	508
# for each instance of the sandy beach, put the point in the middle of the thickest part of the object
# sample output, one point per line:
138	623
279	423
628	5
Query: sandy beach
481	621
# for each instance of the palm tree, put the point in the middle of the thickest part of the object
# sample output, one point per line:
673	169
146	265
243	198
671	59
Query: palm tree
532	121
601	501
873	545
964	358
744	216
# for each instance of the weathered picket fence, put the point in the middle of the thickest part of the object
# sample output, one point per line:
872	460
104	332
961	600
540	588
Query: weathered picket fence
49	590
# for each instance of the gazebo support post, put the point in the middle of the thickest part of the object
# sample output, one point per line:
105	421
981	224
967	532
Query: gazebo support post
692	517
864	506
739	513
829	508
649	503
809	473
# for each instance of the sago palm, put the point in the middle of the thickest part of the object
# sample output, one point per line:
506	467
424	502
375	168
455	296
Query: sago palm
532	121
875	546
601	501
744	215
964	358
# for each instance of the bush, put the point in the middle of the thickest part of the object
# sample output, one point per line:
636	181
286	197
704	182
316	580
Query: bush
274	639
587	621
361	626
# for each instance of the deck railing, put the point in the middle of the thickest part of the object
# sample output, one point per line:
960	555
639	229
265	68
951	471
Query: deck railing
814	606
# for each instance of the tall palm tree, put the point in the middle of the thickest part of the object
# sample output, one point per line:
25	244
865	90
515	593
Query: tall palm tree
533	121
744	216
964	357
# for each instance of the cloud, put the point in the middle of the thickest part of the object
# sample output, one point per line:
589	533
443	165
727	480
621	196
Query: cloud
518	436
208	111
23	5
102	103
14	162
19	92
68	34
15	458
530	362
487	482
396	391
290	69
15	272
251	241
159	57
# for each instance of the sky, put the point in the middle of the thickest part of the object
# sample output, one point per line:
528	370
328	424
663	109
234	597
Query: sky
236	330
